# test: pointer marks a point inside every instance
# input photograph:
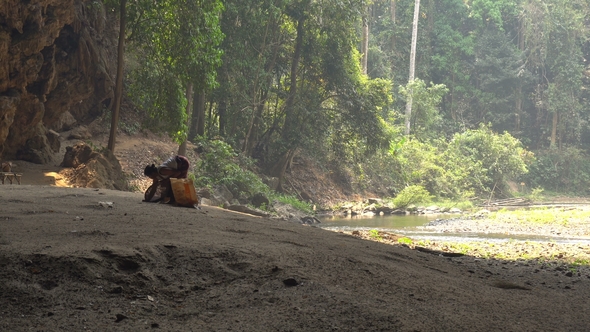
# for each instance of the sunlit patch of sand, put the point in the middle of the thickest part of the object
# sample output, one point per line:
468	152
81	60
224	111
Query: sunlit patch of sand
56	179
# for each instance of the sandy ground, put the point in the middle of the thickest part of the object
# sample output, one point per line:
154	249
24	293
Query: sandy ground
71	263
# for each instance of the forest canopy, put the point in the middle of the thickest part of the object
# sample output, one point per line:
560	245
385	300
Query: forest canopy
500	89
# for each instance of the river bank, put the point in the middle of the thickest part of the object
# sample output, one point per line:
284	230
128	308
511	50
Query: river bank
558	237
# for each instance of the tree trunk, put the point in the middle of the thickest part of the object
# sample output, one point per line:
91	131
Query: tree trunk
251	137
393	12
189	108
412	64
453	111
519	96
365	41
290	102
554	130
200	109
281	166
221	113
119	82
197	120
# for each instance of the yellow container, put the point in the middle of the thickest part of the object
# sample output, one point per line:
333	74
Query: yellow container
184	192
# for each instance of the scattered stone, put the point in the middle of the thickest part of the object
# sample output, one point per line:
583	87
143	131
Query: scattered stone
108	205
259	200
120	317
116	290
290	282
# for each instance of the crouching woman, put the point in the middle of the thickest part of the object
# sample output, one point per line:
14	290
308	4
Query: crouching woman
161	188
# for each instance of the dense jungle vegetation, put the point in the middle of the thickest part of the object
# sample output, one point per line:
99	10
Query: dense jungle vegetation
497	90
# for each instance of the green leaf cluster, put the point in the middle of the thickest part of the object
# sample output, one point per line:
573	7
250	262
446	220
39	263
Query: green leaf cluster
412	195
564	171
219	164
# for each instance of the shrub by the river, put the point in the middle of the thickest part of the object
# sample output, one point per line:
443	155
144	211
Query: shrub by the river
412	195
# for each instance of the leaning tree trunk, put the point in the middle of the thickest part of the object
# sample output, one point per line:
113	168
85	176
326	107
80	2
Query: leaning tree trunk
255	122
280	168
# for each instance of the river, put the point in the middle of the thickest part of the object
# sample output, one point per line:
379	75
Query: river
413	226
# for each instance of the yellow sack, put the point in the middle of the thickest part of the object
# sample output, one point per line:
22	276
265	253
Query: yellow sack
184	192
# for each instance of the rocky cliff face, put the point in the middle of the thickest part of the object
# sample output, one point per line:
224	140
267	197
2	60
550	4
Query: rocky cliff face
57	61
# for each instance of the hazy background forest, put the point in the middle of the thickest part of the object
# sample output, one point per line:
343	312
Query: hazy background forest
500	90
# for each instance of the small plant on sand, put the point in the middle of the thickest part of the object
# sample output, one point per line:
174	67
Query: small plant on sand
554	216
374	234
536	194
462	248
293	201
461	205
405	240
96	148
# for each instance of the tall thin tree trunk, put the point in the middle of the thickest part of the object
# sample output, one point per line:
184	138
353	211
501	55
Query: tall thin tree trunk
453	111
222	111
554	130
119	82
365	41
252	136
189	108
393	12
519	96
412	64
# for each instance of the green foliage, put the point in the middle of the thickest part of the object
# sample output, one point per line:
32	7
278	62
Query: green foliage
129	128
536	194
96	148
512	64
405	240
499	70
220	164
566	170
472	163
374	234
412	195
293	201
493	158
462	205
173	43
425	101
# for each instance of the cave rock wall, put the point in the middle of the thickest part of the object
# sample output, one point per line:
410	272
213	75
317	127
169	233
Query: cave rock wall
57	59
